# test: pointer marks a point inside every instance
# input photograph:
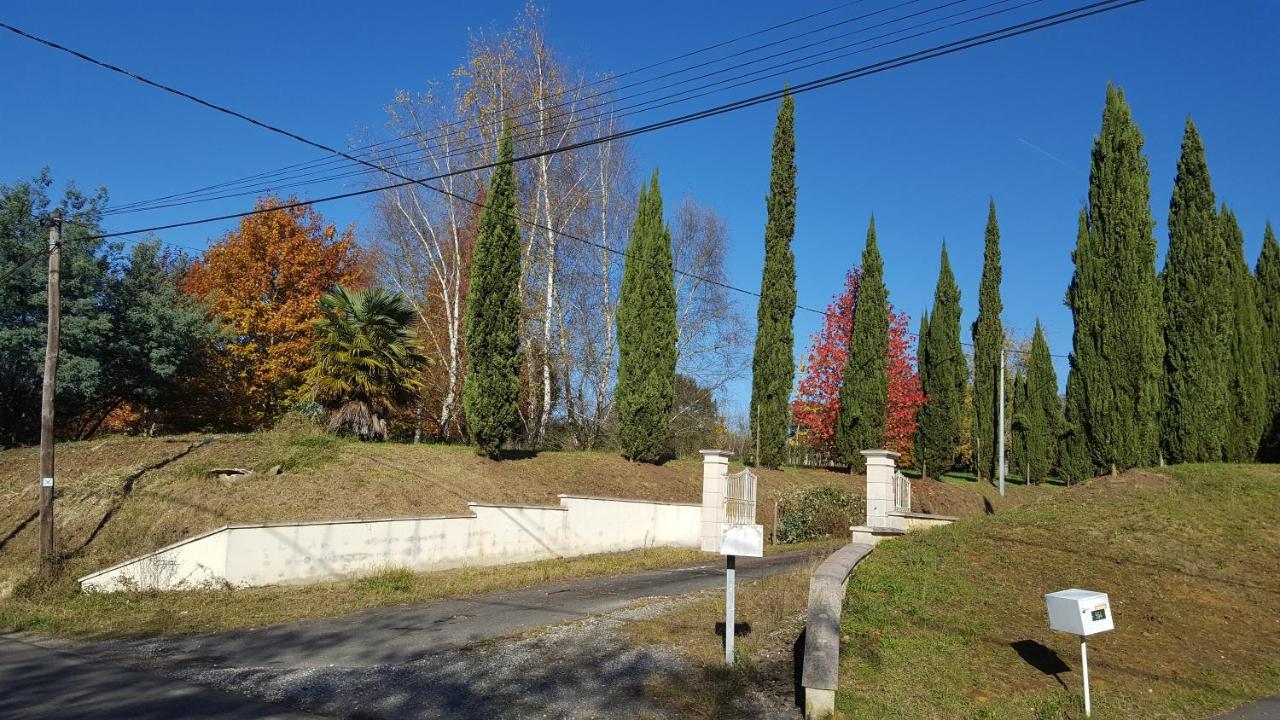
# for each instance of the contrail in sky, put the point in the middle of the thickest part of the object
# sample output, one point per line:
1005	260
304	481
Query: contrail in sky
1047	154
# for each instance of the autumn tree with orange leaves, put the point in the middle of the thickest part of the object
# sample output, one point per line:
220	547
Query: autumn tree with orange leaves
817	405
263	282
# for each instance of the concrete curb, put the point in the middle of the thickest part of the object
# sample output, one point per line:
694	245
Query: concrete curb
822	629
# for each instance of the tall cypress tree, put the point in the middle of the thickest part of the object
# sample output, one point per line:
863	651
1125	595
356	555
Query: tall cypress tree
1118	350
1019	425
864	394
772	368
491	389
1041	409
1197	299
922	358
1246	385
988	338
943	374
646	388
1268	278
1074	463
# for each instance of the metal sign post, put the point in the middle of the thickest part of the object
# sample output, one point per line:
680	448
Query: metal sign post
729	572
739	535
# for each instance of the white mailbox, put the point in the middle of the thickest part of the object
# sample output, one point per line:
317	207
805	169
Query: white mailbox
1079	612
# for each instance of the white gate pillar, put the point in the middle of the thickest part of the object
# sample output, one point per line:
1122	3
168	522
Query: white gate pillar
715	468
881	469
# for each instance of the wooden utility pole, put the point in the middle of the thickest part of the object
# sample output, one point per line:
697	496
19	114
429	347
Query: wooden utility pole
46	400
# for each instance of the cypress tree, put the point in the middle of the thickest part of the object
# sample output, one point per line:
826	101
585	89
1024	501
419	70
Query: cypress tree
1074	463
1268	278
922	358
1019	426
1042	409
864	393
491	389
1198	304
1246	385
772	368
943	374
1118	351
645	394
988	338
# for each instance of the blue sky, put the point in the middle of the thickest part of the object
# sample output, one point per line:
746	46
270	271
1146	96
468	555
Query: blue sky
922	147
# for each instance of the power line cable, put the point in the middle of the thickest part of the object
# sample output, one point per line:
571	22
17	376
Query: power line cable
1044	22
639	107
598	81
1041	23
657	103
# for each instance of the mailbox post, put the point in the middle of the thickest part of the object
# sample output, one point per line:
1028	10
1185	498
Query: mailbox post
1082	613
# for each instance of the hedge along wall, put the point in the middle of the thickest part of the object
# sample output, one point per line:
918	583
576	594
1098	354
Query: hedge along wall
252	555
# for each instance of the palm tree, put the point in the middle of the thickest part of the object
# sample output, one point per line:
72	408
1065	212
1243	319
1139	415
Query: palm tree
367	360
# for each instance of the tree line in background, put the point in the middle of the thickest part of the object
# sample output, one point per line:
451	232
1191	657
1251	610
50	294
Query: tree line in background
1181	365
496	312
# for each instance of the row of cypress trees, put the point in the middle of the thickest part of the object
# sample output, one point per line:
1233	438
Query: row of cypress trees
1170	366
1177	366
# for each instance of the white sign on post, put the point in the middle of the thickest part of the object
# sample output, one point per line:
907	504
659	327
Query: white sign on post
739	535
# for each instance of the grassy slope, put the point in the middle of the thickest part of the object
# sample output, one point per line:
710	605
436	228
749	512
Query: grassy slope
324	478
1189	559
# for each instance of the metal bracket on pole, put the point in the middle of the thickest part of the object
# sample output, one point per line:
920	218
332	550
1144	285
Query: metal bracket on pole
729	572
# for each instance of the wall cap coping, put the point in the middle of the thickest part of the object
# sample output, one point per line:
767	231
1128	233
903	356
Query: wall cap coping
716	453
880	454
925	516
627	500
518	507
822	623
879	529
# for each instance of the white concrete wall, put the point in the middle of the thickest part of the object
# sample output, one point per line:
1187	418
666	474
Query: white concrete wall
250	555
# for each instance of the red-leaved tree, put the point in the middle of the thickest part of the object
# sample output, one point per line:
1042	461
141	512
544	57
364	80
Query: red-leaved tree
818	397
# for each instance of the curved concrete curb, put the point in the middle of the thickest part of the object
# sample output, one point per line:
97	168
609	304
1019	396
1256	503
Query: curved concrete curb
822	629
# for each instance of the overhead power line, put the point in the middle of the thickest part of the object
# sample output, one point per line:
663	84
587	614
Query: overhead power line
431	141
1041	23
683	96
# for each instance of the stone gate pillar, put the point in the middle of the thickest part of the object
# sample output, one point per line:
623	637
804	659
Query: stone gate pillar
715	468
881	468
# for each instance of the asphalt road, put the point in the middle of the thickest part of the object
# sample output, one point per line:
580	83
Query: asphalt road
434	657
42	682
1268	709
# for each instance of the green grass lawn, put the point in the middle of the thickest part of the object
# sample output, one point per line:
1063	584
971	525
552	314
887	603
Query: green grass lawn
934	622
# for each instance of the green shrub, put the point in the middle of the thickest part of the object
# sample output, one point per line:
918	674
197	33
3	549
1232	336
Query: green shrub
818	511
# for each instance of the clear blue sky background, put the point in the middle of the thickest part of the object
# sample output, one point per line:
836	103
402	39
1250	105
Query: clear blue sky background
923	147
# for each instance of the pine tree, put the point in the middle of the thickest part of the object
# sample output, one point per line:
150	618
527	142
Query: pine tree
1041	409
773	369
988	338
1198	304
645	394
943	374
864	394
1118	350
1246	385
491	389
1268	278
